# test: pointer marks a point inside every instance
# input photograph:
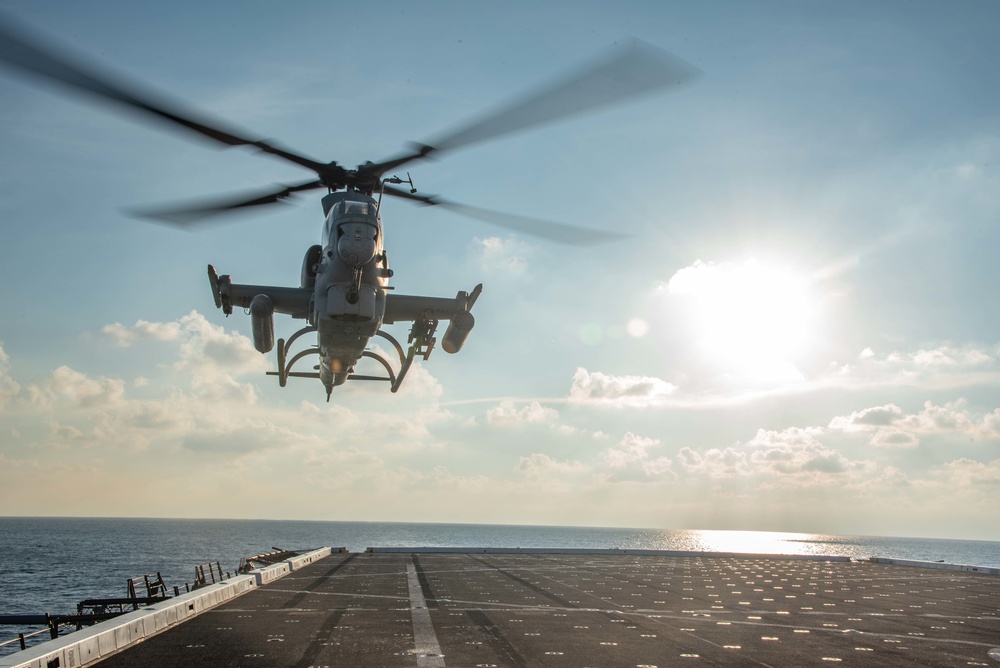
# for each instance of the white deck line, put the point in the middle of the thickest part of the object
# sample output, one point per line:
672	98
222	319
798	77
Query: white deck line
425	642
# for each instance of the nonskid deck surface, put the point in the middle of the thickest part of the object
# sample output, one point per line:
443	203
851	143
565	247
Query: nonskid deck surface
486	609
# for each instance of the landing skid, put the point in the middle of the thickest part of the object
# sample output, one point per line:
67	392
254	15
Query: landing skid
421	342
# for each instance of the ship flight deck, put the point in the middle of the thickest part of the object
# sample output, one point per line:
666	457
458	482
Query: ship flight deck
476	607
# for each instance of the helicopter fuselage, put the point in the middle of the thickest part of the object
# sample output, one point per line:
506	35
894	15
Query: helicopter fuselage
351	278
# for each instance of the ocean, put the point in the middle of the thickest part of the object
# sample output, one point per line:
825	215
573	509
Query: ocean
49	564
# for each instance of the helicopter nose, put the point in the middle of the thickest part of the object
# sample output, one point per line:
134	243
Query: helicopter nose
356	244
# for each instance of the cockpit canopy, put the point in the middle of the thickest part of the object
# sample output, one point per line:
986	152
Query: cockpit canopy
352	228
349	207
350	213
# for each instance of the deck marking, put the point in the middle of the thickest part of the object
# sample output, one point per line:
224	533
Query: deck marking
425	585
316	583
321	640
425	642
496	638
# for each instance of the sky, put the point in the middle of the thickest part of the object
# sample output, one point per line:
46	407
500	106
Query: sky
793	329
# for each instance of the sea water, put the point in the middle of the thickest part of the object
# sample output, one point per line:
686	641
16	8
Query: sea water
49	564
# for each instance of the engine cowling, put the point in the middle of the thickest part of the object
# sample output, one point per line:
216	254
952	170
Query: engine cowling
262	323
310	263
458	331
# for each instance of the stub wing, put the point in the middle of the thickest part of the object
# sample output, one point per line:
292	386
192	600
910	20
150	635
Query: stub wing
425	312
290	301
409	308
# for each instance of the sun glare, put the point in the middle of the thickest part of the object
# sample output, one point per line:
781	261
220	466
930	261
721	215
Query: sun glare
754	319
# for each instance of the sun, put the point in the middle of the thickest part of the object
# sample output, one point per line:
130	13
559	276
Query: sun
752	318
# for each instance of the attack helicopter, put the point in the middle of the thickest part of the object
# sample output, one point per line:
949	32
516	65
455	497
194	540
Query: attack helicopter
344	294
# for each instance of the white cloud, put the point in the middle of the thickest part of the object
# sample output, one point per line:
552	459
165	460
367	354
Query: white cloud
76	389
894	438
249	436
795	456
211	356
890	476
943	367
991	424
970	473
867	418
539	466
890	426
715	463
507	414
208	350
8	388
507	256
634	391
64	432
630	460
122	335
951	418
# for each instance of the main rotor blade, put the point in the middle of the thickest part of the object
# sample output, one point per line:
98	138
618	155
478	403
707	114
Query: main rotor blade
186	216
628	72
566	234
30	55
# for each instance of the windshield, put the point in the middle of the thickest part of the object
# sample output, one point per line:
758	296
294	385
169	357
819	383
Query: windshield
352	208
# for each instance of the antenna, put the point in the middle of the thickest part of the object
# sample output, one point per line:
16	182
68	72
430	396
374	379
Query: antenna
396	180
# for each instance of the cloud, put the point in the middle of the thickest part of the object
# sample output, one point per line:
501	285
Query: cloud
542	462
795	456
894	438
630	460
507	414
867	418
72	387
891	427
549	473
208	350
122	335
715	463
8	388
890	476
970	473
944	367
635	391
508	256
210	357
248	436
789	459
64	432
419	382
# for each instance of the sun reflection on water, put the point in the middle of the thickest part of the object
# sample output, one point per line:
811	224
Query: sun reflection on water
749	542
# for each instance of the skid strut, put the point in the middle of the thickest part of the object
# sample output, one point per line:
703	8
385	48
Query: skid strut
421	342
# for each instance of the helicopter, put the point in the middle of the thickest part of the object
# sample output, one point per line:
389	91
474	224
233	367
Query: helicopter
344	294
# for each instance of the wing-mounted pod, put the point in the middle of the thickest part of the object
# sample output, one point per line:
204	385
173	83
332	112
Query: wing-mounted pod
461	323
262	323
261	302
